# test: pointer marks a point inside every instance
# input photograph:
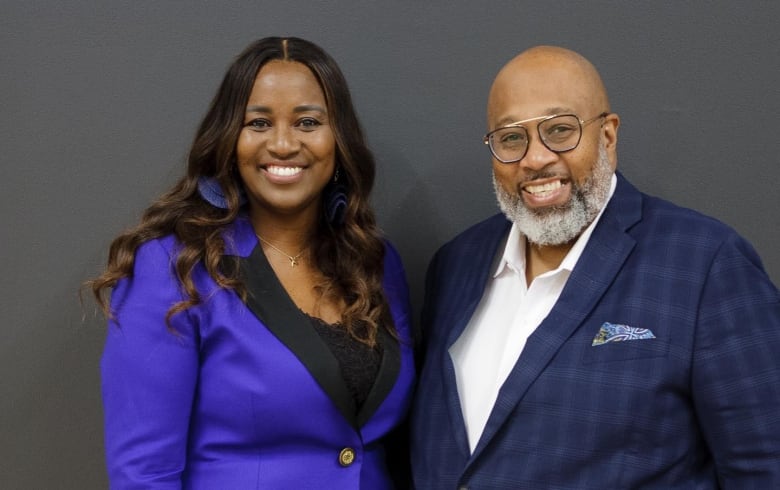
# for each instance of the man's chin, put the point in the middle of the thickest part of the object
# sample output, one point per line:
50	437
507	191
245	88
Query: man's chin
543	212
547	234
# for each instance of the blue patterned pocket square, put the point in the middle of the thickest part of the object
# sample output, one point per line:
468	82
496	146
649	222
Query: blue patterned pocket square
613	332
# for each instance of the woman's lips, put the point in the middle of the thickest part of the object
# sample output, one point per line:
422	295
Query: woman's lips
283	174
283	171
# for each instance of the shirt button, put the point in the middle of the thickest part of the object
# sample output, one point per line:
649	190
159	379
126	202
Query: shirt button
347	456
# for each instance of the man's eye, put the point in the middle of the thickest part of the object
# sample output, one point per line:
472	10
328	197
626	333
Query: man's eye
512	138
560	131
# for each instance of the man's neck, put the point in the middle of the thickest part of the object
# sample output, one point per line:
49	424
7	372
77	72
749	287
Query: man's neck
540	258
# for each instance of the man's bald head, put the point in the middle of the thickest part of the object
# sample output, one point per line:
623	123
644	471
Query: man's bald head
543	73
552	193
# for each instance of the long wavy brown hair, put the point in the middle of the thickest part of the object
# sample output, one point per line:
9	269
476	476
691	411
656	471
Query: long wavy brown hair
350	255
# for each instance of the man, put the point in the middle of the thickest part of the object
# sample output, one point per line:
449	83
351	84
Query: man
598	338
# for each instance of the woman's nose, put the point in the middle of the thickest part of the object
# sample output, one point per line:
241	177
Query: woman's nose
283	141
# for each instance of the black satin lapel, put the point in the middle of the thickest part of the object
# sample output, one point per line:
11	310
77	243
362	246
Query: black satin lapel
271	304
385	379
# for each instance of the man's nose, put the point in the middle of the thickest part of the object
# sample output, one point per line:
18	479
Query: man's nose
537	156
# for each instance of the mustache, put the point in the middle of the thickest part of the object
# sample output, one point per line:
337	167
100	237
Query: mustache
530	176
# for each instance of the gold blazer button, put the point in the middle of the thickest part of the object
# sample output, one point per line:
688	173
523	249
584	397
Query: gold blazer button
347	456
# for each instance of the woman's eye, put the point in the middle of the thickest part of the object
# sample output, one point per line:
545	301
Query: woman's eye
258	124
308	123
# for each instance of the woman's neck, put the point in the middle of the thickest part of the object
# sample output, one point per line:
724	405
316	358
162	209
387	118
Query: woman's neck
291	232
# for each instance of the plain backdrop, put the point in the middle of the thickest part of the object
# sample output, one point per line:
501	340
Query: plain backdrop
99	102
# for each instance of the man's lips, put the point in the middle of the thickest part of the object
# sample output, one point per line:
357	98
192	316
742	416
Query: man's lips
545	192
543	187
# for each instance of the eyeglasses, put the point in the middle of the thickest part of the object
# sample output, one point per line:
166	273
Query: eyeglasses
558	132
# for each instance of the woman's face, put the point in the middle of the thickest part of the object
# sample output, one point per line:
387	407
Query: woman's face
286	150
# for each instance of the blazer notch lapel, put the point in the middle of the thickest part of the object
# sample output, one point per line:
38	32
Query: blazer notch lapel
270	303
474	267
389	369
604	255
476	260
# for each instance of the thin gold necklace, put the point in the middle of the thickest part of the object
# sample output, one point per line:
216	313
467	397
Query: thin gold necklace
292	258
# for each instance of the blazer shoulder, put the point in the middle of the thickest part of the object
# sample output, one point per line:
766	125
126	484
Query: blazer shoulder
394	274
675	222
478	236
156	255
645	216
698	240
470	253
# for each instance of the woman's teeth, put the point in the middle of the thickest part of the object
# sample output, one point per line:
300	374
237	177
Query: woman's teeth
283	171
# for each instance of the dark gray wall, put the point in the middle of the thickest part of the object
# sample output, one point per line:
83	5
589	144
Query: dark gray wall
99	101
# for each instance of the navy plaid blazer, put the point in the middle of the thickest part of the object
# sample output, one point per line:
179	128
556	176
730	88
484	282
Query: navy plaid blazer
695	407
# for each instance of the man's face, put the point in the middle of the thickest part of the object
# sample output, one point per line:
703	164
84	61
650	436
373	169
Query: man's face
561	223
552	196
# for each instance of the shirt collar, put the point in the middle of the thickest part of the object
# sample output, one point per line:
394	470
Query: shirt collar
514	251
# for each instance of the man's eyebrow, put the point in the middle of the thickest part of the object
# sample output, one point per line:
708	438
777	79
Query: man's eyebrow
505	121
559	110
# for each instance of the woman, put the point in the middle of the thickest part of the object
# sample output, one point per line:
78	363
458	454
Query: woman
259	325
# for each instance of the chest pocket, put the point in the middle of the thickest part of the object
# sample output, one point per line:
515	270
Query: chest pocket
613	343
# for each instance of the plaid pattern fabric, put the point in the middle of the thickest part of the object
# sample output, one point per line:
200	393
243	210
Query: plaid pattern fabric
697	406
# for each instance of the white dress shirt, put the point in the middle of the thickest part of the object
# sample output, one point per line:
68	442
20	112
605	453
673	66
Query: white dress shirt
507	314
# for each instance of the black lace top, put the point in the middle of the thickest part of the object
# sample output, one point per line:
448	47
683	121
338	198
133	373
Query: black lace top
359	363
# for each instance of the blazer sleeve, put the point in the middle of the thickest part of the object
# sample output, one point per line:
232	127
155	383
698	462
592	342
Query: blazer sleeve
736	371
397	291
149	372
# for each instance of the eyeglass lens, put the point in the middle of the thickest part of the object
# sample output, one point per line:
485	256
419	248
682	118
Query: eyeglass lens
559	134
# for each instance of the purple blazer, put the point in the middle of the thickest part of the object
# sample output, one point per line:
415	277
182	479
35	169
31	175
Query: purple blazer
241	395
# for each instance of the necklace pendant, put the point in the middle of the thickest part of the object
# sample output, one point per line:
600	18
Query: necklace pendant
293	261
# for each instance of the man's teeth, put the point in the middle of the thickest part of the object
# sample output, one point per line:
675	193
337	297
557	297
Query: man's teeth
284	171
543	188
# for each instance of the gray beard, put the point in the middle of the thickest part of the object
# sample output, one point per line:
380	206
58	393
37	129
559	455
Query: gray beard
560	224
